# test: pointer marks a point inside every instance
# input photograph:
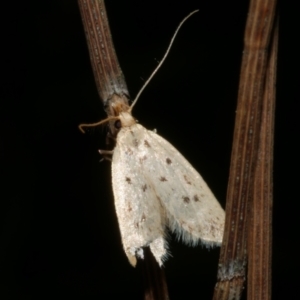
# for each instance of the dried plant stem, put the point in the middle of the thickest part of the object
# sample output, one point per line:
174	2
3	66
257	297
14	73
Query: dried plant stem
240	194
260	225
155	287
108	75
107	72
114	94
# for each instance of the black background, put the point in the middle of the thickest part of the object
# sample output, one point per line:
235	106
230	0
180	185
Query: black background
60	236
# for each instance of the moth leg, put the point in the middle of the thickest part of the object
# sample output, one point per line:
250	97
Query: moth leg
106	154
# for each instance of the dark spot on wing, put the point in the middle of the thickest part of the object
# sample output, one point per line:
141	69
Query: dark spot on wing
135	142
128	151
144	187
213	230
143	158
143	219
196	198
168	160
137	225
186	199
129	207
147	144
187	180
128	179
163	178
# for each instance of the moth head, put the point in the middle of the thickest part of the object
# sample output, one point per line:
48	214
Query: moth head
126	119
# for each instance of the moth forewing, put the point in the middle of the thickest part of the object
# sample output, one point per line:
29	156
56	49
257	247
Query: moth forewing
154	187
193	212
141	221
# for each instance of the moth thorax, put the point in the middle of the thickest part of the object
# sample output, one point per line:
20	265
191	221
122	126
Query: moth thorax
126	119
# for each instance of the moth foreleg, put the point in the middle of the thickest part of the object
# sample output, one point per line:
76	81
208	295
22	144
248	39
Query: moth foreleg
106	154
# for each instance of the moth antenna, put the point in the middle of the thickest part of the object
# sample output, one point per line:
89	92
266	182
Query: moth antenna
162	61
97	123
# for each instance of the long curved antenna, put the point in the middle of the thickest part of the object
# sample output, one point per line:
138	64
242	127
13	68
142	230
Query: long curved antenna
161	62
97	123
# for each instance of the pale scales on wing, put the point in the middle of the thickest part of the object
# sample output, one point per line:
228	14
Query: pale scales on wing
156	187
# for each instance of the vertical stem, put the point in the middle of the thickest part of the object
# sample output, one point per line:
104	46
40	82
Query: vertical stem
108	75
260	225
113	91
155	284
107	72
233	257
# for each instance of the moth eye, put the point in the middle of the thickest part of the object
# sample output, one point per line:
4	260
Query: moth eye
118	124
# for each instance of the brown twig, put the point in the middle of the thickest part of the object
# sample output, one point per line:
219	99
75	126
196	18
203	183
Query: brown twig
114	94
155	287
240	194
260	225
108	75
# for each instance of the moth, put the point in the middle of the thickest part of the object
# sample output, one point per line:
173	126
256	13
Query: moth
156	188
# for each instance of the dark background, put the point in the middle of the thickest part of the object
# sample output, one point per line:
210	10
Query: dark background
59	233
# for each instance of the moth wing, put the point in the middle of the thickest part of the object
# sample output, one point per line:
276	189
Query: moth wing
192	211
140	216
